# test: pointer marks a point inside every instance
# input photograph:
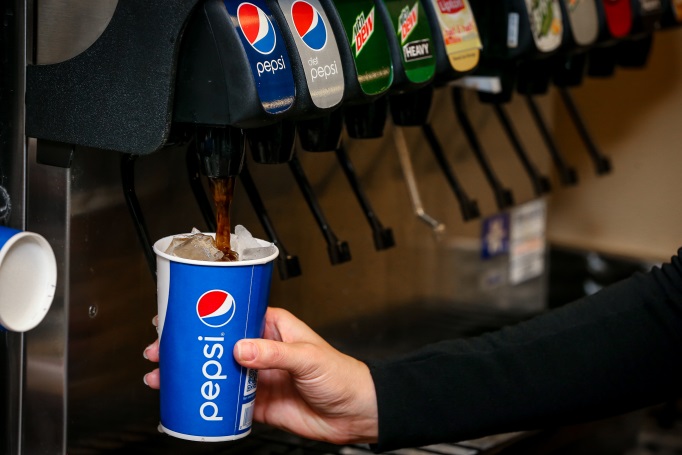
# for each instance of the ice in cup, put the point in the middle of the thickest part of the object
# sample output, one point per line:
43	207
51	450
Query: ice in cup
205	307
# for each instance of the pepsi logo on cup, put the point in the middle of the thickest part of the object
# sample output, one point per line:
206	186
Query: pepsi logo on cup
257	28
216	308
309	25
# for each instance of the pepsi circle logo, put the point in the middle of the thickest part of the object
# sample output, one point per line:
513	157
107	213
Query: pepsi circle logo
215	308
257	28
309	25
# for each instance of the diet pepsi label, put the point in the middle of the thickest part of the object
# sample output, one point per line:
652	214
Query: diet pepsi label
266	52
205	394
318	50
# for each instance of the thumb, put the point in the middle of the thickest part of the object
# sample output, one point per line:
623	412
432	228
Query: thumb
261	354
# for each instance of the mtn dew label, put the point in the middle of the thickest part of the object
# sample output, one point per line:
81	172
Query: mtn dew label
545	23
415	39
367	39
460	34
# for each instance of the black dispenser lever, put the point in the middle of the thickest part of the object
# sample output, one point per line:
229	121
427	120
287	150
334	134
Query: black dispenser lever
540	182
193	172
128	183
503	196
287	264
601	162
567	174
339	252
383	237
467	206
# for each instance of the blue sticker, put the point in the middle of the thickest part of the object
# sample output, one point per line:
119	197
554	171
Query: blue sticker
495	235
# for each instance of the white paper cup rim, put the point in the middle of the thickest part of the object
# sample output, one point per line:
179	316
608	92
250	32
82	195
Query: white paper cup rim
21	287
161	245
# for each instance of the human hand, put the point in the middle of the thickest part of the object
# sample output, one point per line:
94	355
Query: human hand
305	386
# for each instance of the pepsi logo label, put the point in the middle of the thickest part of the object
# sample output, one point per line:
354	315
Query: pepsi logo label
215	308
257	28
309	25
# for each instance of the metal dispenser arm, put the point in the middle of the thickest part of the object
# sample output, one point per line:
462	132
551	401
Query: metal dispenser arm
383	237
503	196
339	252
468	207
128	183
540	182
411	182
287	264
567	174
602	162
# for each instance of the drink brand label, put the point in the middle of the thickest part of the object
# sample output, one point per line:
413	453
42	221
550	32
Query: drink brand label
584	20
415	39
205	392
267	54
618	17
363	29
317	49
460	34
545	23
369	43
677	7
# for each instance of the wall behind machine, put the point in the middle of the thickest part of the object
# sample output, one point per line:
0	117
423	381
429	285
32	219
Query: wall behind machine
635	117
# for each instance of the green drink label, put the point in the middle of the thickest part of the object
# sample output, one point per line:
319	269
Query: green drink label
367	38
545	23
414	36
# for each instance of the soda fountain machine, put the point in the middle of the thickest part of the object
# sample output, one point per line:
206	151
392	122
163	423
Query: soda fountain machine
115	115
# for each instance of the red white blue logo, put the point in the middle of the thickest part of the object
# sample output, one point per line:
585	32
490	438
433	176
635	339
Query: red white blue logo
309	25
215	308
257	28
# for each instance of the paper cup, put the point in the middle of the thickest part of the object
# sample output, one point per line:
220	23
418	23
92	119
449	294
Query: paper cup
204	309
28	278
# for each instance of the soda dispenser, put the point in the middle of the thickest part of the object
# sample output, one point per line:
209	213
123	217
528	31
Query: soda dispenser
119	119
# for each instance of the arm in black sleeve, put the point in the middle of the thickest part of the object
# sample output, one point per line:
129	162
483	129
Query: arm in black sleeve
613	352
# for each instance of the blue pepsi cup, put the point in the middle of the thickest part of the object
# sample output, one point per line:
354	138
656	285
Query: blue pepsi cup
28	278
204	309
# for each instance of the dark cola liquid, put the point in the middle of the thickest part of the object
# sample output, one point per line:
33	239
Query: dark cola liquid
223	190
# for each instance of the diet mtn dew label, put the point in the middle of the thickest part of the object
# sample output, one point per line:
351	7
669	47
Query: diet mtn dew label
582	15
460	34
367	39
414	36
545	23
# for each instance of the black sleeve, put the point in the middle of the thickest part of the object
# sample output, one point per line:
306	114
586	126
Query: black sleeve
613	352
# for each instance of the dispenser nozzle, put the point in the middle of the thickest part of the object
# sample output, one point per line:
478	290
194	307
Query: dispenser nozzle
221	150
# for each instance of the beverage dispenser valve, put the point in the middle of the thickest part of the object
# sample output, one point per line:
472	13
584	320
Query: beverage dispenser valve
503	196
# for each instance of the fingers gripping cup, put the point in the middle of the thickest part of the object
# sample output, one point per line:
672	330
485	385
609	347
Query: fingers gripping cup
204	309
28	278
